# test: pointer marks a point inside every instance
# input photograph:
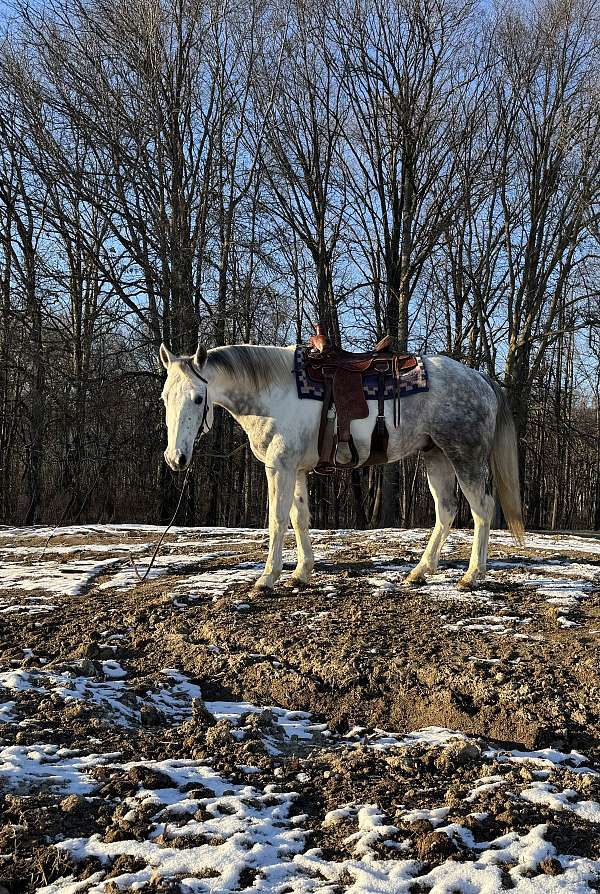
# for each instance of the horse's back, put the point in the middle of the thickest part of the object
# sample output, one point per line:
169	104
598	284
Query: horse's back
461	407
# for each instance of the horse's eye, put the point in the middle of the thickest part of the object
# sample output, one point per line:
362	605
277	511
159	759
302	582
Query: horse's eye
198	400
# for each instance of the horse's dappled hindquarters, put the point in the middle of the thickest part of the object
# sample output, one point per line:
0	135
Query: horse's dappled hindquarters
462	422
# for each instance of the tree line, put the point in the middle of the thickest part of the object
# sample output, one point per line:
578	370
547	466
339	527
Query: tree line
181	169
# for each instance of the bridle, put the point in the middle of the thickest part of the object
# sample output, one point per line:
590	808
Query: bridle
201	430
190	366
142	577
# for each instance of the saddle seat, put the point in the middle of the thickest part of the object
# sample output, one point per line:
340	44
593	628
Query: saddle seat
342	373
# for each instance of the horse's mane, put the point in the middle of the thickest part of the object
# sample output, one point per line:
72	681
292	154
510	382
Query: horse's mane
256	365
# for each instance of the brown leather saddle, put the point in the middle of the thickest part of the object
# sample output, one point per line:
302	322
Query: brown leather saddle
342	373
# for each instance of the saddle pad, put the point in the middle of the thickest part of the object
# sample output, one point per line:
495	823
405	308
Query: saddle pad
411	382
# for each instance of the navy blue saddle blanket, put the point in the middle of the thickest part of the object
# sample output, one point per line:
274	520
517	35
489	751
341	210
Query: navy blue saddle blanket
410	383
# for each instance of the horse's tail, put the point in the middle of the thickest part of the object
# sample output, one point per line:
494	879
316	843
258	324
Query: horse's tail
505	466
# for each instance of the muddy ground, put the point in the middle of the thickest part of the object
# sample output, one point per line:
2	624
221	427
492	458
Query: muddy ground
102	670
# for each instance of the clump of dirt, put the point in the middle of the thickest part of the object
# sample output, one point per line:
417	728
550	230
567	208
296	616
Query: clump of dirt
28	822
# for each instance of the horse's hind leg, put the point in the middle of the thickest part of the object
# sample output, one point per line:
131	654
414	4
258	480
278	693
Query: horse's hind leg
441	478
300	517
472	481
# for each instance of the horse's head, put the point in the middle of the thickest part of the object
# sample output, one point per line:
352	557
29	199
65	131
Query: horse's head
187	405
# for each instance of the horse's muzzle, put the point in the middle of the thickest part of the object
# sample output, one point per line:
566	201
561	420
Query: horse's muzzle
178	461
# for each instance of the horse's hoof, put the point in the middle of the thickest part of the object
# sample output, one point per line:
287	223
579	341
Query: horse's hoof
466	583
414	581
264	586
298	582
293	583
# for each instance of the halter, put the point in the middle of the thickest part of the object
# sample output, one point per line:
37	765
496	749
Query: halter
201	431
190	366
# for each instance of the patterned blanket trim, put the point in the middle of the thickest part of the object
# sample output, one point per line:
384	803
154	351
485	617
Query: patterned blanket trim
411	382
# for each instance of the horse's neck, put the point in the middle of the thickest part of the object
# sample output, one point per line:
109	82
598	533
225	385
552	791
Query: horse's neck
239	396
237	401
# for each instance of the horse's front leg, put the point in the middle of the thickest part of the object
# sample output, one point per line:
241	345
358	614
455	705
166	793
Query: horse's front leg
300	522
281	493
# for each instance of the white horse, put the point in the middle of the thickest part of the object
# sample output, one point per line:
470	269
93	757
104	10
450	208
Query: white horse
464	419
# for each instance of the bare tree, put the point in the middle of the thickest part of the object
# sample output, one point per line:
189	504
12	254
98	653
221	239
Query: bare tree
301	154
549	182
422	167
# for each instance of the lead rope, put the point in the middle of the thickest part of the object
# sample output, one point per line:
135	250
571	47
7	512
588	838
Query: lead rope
143	577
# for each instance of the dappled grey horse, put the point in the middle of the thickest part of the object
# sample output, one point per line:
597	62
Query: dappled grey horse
462	422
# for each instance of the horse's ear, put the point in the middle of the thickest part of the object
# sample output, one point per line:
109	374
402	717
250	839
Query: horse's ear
200	356
166	358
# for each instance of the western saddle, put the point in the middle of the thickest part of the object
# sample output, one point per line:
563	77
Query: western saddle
342	374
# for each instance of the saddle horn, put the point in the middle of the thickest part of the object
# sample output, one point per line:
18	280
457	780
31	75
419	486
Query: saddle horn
318	341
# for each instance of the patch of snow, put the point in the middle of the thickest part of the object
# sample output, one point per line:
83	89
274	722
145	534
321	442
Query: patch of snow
489	784
163	564
113	669
545	793
246	827
113	696
58	579
372	829
214	584
23	767
78	548
6	712
433	815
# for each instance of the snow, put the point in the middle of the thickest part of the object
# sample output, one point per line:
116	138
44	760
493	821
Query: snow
545	793
112	696
163	565
39	552
249	827
6	712
25	766
44	576
544	757
113	669
252	826
372	829
69	579
213	584
174	698
490	784
291	724
562	544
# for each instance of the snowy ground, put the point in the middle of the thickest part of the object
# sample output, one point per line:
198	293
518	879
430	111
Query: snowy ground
185	735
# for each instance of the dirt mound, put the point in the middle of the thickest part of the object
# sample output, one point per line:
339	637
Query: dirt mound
147	731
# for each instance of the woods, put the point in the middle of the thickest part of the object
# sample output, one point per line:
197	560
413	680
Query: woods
174	169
